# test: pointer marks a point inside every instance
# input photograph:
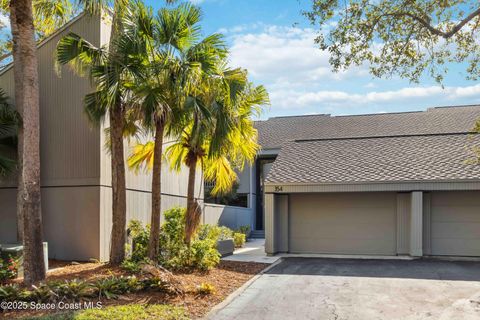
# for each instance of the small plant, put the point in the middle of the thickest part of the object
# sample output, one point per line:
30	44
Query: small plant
239	239
205	289
108	288
245	230
13	292
8	269
74	289
139	236
131	266
44	292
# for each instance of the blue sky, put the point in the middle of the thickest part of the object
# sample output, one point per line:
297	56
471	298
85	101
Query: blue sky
274	42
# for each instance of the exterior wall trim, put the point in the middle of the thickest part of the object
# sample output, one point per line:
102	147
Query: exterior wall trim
371	187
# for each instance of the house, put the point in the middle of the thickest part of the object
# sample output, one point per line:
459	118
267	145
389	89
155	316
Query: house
381	184
75	165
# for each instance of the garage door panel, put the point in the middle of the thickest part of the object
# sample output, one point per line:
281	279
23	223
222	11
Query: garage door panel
343	223
456	214
344	230
455	223
456	247
339	246
343	217
459	230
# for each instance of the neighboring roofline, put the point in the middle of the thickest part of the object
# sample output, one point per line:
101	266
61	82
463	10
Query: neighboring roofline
372	114
386	137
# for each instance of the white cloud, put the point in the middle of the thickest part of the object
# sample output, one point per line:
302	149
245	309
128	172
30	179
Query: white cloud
330	99
298	77
277	54
4	21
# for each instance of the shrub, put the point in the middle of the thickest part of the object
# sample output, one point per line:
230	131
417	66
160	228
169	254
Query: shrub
74	289
8	269
14	293
245	230
213	232
139	236
239	239
202	253
205	288
131	265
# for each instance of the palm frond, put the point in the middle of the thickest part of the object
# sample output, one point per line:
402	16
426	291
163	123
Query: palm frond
142	156
79	53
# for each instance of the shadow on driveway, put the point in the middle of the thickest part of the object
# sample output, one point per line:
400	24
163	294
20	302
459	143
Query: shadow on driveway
428	269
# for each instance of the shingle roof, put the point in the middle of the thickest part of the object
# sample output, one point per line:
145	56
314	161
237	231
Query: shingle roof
401	158
274	132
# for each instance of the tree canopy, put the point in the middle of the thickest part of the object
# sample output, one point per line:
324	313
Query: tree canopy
405	37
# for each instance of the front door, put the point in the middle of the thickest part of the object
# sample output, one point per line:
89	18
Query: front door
263	168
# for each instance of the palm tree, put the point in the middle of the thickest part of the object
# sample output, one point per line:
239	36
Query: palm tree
112	70
28	104
9	123
174	59
219	135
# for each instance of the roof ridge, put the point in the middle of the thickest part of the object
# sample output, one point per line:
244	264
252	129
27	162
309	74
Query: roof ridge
372	114
386	137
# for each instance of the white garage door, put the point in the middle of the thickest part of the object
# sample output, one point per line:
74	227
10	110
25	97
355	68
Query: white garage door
343	223
455	223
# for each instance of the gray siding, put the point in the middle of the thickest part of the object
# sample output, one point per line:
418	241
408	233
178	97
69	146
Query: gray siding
70	157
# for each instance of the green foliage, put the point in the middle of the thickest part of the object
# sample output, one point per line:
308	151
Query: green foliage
8	269
131	266
129	311
174	253
9	123
239	239
108	288
74	289
202	253
214	232
13	292
205	289
139	236
245	230
408	38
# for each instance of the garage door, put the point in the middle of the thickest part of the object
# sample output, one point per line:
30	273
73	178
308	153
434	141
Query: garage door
455	223
346	223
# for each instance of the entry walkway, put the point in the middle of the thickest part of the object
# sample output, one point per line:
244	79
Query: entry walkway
253	251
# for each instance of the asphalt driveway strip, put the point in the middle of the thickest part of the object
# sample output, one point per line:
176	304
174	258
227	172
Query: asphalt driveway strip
318	288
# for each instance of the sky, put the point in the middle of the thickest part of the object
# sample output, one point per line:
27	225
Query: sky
275	43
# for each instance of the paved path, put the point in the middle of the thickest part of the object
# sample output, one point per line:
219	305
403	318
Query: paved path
252	251
360	289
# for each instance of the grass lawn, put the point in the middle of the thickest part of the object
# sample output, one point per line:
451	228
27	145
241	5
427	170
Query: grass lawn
225	278
131	311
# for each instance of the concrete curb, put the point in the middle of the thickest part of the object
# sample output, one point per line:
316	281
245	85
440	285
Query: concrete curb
239	291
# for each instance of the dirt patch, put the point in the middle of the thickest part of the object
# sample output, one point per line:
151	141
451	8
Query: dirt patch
226	278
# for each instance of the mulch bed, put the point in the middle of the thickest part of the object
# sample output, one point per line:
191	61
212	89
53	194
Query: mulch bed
226	278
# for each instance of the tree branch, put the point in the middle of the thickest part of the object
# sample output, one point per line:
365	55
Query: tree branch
436	31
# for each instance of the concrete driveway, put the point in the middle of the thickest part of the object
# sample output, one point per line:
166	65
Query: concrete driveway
307	288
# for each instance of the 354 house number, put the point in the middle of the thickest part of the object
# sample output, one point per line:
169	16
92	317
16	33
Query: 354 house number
278	188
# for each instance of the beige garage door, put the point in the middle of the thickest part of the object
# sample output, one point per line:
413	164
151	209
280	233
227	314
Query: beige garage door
455	223
343	223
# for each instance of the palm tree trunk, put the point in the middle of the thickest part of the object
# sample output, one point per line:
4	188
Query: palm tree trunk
27	89
19	181
153	246
192	218
119	205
